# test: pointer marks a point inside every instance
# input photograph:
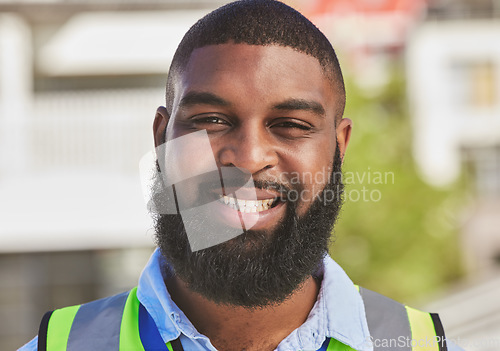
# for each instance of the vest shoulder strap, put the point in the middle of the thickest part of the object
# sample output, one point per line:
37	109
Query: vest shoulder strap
394	326
91	326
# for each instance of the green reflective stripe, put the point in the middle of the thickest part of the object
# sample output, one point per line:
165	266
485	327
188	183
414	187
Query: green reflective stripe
130	338
422	330
59	327
169	346
335	345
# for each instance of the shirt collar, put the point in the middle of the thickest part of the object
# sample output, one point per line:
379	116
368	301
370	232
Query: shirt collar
338	313
154	296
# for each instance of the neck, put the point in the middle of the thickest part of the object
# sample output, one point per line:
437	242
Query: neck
240	328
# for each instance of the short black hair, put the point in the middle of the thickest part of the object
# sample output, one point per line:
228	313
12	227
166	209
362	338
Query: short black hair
258	22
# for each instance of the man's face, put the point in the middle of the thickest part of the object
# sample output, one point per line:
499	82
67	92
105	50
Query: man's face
269	111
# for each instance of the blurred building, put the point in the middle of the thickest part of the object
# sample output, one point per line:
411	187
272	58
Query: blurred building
471	314
371	35
453	70
80	82
453	74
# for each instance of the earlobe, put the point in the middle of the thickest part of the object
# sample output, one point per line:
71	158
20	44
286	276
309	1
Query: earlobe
159	125
343	132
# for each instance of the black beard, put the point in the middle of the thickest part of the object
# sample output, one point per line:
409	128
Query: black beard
257	268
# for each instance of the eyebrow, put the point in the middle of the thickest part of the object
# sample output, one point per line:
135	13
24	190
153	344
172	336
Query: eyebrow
300	104
202	98
205	98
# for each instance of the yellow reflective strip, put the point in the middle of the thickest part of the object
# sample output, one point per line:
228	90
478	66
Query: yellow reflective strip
169	346
422	331
60	323
130	338
335	345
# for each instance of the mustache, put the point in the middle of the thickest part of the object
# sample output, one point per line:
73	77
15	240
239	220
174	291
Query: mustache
243	183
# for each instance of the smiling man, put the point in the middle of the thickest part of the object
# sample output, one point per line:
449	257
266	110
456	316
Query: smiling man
270	112
247	190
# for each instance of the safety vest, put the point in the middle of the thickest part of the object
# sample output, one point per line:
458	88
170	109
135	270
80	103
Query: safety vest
121	323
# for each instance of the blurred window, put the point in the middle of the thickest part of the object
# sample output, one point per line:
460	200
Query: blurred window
475	84
485	164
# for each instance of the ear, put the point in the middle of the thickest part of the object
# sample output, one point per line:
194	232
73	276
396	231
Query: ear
343	132
160	125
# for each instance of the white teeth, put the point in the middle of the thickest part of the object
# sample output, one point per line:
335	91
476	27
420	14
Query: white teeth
247	206
241	203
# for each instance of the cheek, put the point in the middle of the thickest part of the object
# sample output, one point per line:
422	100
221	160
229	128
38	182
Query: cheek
188	156
313	171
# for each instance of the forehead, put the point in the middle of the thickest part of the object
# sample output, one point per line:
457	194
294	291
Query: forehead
267	71
268	57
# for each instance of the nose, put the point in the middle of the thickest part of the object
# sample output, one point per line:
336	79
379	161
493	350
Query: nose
250	148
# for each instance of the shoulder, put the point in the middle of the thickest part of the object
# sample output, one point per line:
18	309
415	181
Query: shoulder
385	321
394	324
89	321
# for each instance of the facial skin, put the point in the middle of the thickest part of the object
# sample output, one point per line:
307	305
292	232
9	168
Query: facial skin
269	110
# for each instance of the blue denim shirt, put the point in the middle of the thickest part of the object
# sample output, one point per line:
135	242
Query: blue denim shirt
338	313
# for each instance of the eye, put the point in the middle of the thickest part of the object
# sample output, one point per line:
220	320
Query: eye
291	125
210	122
291	128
